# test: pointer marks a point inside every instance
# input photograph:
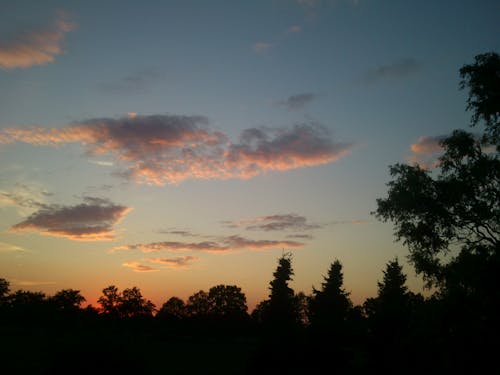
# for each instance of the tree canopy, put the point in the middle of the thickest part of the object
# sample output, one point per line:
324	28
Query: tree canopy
445	214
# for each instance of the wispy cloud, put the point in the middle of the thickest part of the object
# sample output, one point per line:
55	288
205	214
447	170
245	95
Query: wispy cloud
9	248
294	29
26	198
162	149
261	47
102	163
353	222
175	263
298	101
183	233
92	220
32	282
133	83
395	70
138	267
301	236
279	222
218	245
35	47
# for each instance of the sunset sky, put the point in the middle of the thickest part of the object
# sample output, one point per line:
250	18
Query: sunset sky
177	145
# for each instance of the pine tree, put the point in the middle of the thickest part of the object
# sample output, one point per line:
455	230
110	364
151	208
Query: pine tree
330	306
282	310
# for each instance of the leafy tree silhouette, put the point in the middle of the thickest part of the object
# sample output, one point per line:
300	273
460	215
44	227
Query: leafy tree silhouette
455	212
110	300
4	288
483	81
67	300
198	305
4	292
174	309
133	304
227	301
129	304
329	307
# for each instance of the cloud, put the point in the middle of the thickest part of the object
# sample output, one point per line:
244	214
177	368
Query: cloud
301	236
219	245
9	248
102	163
138	267
35	47
294	29
32	282
296	102
92	220
136	82
354	222
428	145
182	233
176	263
396	70
162	149
275	223
261	47
426	151
25	198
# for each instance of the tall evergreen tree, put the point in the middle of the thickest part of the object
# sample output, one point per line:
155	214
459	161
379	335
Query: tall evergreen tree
330	306
282	310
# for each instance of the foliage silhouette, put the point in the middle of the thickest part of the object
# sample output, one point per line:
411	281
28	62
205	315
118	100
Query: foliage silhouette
68	300
198	305
450	221
173	309
483	81
128	304
282	311
110	300
329	307
227	302
132	304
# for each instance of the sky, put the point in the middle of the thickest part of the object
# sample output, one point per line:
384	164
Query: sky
178	145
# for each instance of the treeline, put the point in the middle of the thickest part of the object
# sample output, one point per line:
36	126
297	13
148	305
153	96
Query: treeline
386	333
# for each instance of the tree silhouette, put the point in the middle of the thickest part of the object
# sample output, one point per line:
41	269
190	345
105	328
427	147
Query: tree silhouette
329	307
67	300
110	300
282	310
457	211
389	318
133	304
392	297
4	288
173	309
483	81
227	301
198	305
4	292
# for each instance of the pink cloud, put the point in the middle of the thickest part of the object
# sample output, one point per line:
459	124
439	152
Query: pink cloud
220	245
92	220
138	267
37	47
176	263
277	222
163	149
427	145
426	151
